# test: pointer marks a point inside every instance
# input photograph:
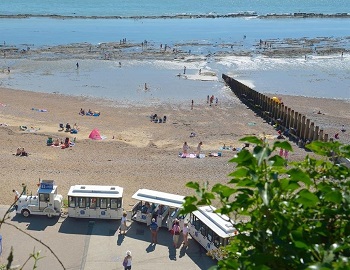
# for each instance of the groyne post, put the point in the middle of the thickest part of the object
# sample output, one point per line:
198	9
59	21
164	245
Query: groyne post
273	111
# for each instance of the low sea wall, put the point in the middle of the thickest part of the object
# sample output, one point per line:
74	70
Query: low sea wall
293	124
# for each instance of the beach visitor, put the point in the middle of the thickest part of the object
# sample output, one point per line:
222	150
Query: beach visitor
123	227
8	69
207	98
24	189
127	260
154	230
211	99
17	195
281	152
56	142
336	136
200	71
185	234
184	69
286	154
199	148
19	151
216	101
77	64
192	105
185	148
176	229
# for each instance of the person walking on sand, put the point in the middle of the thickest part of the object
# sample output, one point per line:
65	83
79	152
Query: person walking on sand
199	148
123	227
127	262
154	230
184	69
192	105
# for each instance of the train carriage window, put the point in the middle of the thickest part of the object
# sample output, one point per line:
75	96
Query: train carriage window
103	203
197	223
71	201
115	203
82	202
204	229
92	202
44	197
217	240
210	234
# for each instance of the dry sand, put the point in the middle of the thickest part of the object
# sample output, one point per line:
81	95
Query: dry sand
137	153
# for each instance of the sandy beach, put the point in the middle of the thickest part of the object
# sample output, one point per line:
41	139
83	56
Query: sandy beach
136	152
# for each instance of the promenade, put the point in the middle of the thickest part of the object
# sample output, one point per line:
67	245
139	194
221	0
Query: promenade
94	244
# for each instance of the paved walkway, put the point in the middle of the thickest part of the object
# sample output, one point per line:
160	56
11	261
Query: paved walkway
94	244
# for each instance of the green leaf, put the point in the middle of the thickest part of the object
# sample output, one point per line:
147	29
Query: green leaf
251	139
193	185
261	153
264	194
223	190
240	172
299	175
300	244
284	145
276	161
333	196
307	199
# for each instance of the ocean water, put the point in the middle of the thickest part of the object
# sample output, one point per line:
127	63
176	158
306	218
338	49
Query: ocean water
38	23
127	8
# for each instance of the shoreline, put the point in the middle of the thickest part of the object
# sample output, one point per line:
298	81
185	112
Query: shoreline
248	14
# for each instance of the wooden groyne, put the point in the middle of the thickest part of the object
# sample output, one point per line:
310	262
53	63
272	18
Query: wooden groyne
293	124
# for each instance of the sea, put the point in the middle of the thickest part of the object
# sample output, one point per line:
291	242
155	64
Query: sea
211	25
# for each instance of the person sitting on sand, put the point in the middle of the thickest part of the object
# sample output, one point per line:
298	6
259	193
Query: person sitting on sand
66	143
56	142
82	111
185	148
19	151
68	127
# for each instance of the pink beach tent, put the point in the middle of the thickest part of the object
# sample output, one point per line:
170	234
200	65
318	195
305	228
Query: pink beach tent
95	135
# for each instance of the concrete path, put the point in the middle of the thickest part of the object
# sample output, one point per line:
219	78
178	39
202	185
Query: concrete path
83	244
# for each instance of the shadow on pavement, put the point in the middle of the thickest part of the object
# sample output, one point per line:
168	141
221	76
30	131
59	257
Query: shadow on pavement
36	223
89	226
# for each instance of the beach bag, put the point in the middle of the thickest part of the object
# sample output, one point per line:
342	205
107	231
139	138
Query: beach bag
125	262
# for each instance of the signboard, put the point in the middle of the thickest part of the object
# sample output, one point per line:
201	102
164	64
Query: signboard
46	184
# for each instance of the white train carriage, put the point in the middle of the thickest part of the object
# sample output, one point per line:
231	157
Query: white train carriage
211	230
93	201
162	206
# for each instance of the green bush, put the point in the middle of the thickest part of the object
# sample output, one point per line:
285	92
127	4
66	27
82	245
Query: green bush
298	212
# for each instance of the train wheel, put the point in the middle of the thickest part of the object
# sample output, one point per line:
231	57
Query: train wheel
25	213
